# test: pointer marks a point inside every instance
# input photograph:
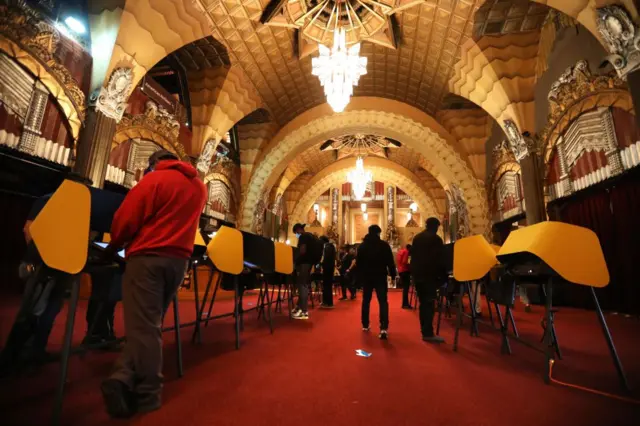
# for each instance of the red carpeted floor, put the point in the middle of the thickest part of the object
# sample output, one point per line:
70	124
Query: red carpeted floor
307	373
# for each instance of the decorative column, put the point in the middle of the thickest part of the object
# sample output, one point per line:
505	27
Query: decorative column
333	231
33	122
622	39
565	181
392	231
612	152
104	113
526	152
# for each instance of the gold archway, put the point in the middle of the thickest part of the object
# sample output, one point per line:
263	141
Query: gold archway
143	127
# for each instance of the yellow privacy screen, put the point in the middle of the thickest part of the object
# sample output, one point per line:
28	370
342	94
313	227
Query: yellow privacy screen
284	258
61	229
226	250
571	251
473	257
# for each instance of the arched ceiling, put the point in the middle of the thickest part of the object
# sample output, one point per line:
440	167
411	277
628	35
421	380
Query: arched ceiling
313	161
383	170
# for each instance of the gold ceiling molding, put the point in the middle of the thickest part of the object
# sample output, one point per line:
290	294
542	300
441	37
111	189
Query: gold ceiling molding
251	139
369	103
295	191
471	128
152	29
31	41
220	97
498	74
416	72
363	20
554	22
154	125
383	170
448	163
578	91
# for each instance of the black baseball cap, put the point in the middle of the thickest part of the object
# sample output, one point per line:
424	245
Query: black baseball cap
298	226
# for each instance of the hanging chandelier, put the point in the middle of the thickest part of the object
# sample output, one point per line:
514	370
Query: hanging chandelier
359	178
339	69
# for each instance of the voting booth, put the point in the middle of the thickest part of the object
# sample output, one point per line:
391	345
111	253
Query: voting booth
549	252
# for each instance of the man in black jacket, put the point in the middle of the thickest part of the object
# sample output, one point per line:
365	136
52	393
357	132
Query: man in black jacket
307	257
374	262
328	270
428	272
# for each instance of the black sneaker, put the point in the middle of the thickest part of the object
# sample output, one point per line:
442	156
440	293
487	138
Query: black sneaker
383	335
117	399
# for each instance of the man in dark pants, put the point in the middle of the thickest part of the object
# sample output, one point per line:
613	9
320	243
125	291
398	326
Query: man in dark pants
156	224
328	269
347	269
307	257
375	262
428	272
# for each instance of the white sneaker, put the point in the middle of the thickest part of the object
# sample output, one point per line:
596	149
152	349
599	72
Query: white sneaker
301	315
295	311
366	328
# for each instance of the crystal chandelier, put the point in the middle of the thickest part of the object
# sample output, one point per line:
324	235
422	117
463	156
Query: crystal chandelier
359	178
339	69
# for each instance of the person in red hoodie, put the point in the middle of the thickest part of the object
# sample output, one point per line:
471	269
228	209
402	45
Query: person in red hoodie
156	224
405	274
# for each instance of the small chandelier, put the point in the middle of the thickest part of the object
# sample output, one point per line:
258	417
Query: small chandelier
359	178
339	69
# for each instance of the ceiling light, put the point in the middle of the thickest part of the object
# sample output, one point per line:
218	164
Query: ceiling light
365	216
75	25
359	178
339	69
413	207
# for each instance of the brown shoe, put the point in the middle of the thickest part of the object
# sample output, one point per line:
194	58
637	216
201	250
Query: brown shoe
117	399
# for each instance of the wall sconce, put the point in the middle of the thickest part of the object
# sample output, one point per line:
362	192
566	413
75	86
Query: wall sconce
413	207
316	208
288	242
363	207
365	215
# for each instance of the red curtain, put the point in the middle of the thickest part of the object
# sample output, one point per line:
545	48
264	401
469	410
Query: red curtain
612	213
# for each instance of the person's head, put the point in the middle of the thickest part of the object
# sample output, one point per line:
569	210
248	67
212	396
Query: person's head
324	239
408	247
298	229
433	224
159	156
375	230
352	249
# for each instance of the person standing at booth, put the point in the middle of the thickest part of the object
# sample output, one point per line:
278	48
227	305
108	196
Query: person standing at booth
405	274
328	269
374	262
428	272
309	254
156	224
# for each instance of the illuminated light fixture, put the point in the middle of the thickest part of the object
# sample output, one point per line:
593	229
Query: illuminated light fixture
339	69
64	30
365	215
287	242
363	207
413	207
75	25
316	208
359	178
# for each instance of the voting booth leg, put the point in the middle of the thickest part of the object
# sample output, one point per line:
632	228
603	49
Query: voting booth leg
504	330
493	324
66	348
512	320
548	338
176	322
440	309
472	307
458	319
236	310
213	298
612	349
196	332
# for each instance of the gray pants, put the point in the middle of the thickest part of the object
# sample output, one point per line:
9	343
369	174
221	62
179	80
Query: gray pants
302	283
148	286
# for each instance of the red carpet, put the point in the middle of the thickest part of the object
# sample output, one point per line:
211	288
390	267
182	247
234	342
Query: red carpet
307	373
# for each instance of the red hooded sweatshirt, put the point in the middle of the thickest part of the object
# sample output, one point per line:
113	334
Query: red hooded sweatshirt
160	215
